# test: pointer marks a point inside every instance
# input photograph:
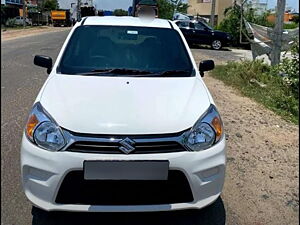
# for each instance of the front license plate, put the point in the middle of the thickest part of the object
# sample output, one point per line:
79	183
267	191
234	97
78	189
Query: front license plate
126	170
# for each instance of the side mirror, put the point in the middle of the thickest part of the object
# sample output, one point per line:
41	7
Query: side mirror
43	61
206	65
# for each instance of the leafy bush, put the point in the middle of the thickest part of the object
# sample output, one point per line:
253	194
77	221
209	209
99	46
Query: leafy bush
290	25
11	22
296	19
289	69
262	20
231	23
257	80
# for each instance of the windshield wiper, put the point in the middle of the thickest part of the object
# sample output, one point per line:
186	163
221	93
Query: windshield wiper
170	73
174	73
117	71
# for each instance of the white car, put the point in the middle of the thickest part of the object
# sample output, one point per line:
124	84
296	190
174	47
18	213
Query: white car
20	21
123	123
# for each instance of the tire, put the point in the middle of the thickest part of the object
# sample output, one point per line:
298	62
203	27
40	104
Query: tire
39	216
216	45
213	214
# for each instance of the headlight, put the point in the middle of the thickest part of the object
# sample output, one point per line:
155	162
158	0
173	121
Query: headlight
207	131
43	131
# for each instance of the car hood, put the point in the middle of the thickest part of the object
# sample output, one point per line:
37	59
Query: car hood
124	105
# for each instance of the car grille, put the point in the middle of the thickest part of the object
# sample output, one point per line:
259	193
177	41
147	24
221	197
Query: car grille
75	190
113	147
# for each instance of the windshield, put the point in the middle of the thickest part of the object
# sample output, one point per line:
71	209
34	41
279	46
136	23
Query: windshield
205	24
119	50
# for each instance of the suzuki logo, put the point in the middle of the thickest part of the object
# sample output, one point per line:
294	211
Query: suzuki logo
127	145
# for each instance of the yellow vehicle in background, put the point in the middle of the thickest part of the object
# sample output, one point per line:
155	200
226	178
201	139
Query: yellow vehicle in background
61	17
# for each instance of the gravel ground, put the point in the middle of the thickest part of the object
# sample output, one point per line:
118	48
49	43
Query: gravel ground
230	54
262	180
13	34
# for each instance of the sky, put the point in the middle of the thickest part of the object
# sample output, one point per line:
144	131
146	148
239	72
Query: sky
124	4
290	3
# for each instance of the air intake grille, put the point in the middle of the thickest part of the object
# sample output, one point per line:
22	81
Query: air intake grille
75	190
113	147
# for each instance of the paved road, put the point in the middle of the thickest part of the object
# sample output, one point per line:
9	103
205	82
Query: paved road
20	83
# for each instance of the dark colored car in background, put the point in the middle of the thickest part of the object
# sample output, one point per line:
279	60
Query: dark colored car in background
197	32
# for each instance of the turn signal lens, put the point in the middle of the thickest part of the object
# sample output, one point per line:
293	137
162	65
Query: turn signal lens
43	131
31	125
217	125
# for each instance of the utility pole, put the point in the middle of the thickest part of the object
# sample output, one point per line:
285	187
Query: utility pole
176	2
277	33
212	14
24	9
78	10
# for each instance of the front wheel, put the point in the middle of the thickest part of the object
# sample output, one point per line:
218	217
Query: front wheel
216	45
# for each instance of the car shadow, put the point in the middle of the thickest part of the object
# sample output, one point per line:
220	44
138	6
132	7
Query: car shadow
211	215
194	46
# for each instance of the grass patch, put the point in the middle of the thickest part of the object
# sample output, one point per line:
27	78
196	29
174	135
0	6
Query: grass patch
290	25
257	80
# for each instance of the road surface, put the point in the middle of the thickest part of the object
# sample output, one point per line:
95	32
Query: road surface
21	82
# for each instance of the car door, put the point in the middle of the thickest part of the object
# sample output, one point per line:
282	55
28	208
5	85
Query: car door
201	33
186	30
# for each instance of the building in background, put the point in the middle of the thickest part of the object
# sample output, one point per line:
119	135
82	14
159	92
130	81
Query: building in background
202	8
10	9
288	17
32	3
14	3
260	6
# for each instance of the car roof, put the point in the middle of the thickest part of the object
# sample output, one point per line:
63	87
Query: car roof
126	21
190	21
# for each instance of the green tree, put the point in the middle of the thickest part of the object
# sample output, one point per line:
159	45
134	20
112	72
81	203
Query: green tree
50	5
182	7
3	19
166	9
231	23
232	20
259	19
120	12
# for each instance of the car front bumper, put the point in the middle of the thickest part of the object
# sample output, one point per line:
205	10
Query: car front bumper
43	172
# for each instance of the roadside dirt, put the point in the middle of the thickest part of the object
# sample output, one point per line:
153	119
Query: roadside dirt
13	34
262	179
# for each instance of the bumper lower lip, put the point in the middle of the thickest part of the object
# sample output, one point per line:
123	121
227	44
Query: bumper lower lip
44	171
